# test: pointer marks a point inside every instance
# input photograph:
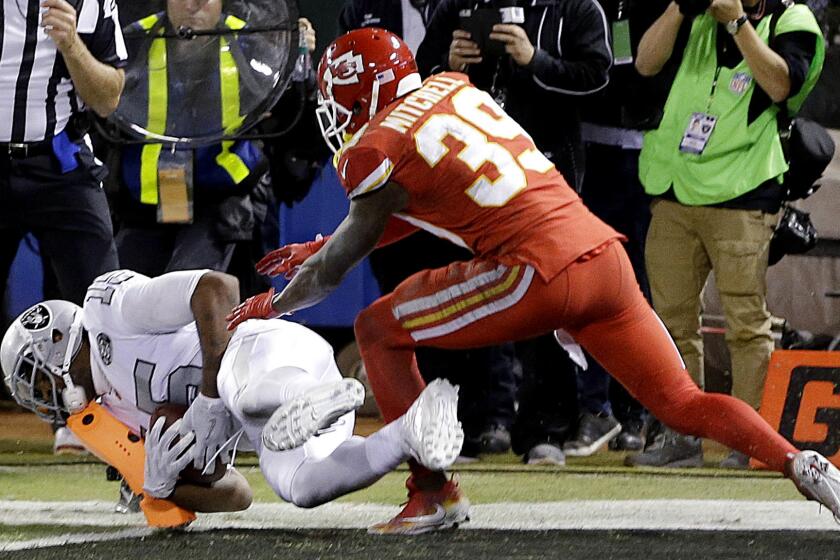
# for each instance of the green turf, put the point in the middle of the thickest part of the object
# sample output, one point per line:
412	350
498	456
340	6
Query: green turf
12	533
87	482
29	471
34	452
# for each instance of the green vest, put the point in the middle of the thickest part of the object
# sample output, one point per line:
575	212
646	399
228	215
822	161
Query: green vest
158	104
739	156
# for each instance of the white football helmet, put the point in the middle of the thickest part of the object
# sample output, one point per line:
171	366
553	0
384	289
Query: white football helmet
36	352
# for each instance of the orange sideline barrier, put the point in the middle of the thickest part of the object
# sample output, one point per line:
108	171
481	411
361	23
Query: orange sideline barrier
802	400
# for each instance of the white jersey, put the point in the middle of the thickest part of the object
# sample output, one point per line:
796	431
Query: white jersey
145	349
144	343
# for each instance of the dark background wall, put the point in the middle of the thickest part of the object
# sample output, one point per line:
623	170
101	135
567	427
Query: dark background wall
324	16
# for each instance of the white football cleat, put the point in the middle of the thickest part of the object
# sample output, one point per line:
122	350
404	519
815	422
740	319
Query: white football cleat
66	443
431	432
294	422
817	479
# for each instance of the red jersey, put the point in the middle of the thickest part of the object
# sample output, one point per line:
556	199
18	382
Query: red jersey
473	176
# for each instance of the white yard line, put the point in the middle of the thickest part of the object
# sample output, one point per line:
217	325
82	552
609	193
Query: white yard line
712	515
589	514
74	538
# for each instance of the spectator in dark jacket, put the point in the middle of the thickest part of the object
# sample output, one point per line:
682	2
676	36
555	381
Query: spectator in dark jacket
559	53
409	24
615	119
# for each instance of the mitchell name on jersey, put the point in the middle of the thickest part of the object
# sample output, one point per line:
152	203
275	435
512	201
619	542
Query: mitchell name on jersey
407	113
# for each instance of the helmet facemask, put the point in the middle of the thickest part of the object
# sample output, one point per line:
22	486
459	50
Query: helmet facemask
35	387
359	74
333	120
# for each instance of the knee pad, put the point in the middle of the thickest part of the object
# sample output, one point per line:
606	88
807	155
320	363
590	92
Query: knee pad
264	393
260	399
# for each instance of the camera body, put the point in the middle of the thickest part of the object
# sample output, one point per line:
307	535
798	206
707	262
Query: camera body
480	19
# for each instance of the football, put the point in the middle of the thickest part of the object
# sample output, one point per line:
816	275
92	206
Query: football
189	475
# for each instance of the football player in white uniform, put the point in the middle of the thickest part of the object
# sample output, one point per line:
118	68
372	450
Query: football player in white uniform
142	342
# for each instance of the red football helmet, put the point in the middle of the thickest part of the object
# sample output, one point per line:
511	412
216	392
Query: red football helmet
360	73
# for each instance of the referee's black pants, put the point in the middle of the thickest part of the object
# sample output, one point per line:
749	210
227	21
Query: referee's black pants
67	213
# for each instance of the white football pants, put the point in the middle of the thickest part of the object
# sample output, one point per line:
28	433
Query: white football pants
264	367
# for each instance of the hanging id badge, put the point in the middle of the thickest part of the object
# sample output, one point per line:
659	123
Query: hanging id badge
622	51
175	187
697	133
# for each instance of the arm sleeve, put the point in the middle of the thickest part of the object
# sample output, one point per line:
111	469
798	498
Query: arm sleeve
679	46
104	40
433	53
162	304
584	64
798	49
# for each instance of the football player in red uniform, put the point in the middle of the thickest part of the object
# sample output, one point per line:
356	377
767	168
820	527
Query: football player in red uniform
443	156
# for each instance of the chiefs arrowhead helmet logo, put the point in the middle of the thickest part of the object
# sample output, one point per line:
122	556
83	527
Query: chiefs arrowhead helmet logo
344	70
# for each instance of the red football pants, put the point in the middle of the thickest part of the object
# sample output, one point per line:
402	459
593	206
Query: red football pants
596	300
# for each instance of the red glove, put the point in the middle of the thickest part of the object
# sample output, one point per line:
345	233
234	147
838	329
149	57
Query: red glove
256	307
288	258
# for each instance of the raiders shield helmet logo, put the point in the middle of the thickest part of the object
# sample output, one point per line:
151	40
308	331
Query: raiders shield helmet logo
103	343
36	318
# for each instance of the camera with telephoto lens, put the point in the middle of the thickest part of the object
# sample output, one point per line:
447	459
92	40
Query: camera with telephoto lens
692	8
479	22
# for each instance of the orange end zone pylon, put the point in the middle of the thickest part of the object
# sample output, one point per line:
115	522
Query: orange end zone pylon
112	441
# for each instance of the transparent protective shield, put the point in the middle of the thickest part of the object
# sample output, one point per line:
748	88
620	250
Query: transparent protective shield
201	71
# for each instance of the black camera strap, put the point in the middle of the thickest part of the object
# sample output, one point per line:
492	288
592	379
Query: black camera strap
783	118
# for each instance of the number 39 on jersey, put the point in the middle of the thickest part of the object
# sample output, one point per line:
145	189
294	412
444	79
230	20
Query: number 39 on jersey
476	118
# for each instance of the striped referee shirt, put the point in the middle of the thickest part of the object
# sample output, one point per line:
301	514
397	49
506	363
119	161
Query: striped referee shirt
37	97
